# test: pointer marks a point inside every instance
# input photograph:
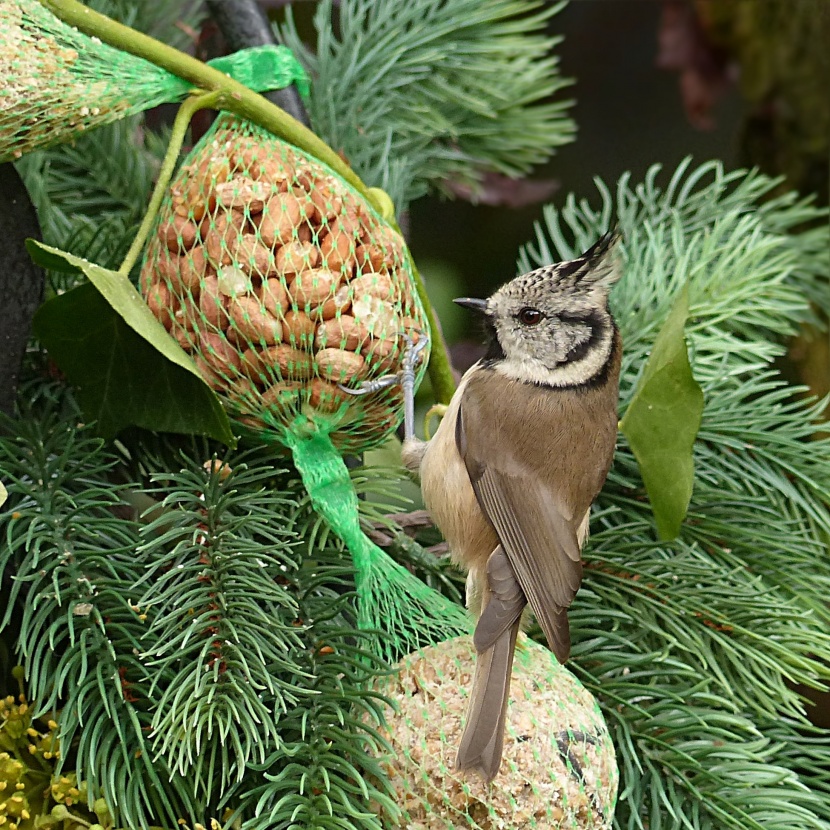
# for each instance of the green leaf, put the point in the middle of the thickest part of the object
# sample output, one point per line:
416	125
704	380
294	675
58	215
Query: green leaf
662	421
128	370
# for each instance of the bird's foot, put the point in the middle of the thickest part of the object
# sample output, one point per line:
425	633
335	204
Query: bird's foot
369	386
406	378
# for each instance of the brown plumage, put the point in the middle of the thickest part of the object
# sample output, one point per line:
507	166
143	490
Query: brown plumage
510	475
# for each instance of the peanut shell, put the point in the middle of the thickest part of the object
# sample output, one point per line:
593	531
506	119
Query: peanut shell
305	233
342	332
178	234
379	316
326	197
212	304
339	302
338	244
232	281
187	314
160	301
258	162
374	284
339	365
281	395
370	257
282	215
252	256
325	396
298	329
242	193
411	328
221	232
253	322
295	257
281	361
186	339
313	287
220	355
192	268
274	296
382	355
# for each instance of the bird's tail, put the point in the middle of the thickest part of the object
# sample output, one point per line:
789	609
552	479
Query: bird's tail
483	738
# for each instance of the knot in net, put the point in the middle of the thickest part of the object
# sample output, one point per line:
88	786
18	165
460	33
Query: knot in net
558	769
283	284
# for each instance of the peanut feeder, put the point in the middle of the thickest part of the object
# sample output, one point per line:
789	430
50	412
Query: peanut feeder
281	283
288	289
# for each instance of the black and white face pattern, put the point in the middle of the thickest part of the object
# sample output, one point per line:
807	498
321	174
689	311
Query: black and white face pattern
552	326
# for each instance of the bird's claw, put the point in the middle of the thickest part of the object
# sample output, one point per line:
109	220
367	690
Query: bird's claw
413	349
369	386
406	378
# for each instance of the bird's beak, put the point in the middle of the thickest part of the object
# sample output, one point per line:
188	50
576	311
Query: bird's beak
476	305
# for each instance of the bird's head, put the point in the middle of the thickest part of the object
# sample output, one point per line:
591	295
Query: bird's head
552	326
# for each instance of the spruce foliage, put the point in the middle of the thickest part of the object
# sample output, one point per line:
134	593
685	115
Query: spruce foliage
421	94
195	622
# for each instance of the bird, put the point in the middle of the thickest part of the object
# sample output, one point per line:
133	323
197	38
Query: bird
520	455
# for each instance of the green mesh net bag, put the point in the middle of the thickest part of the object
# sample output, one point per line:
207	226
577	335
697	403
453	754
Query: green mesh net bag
558	767
284	286
290	292
59	82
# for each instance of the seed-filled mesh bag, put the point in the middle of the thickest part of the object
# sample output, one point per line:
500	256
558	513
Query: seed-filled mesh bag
558	767
58	82
283	284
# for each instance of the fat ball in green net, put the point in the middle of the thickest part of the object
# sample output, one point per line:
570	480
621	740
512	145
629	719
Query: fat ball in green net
558	769
59	82
283	284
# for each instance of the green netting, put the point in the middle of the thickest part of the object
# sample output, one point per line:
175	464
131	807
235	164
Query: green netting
282	282
558	767
284	285
59	82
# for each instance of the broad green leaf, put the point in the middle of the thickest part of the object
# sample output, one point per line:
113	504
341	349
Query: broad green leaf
128	370
662	421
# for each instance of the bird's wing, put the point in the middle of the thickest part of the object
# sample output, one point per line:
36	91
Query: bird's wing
518	494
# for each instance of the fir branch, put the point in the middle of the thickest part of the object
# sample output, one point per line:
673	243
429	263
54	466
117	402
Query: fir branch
174	22
223	618
73	563
325	773
420	93
91	195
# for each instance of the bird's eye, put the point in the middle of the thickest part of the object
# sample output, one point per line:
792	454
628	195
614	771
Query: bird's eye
530	316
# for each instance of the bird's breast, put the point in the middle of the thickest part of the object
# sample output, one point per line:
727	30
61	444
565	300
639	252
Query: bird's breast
449	496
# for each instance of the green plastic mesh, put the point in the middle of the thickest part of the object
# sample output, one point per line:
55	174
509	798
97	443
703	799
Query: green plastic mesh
282	282
558	768
57	82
